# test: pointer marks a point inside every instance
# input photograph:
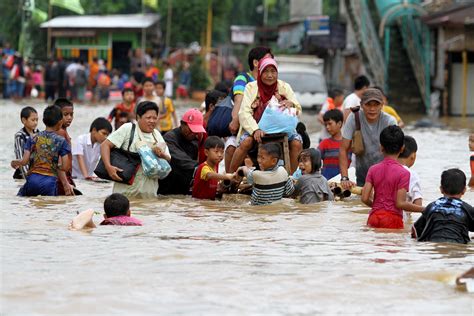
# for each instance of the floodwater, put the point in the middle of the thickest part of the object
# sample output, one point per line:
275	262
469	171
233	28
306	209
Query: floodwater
193	257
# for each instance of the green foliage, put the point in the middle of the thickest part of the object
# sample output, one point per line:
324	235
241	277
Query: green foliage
10	25
199	78
189	18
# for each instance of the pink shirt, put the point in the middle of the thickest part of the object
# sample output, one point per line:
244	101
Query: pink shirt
37	78
387	177
122	220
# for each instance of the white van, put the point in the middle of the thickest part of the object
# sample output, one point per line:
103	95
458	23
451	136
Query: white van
304	74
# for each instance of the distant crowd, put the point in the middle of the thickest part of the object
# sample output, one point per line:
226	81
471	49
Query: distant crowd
81	80
252	127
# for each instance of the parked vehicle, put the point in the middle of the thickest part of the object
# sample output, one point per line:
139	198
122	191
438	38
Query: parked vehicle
304	74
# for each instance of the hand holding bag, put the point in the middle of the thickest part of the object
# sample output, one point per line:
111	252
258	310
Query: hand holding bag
124	159
153	166
357	140
278	119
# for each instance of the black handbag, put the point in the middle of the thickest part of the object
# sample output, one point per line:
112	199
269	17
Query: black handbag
124	159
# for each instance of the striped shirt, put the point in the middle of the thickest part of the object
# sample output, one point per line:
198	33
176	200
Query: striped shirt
20	140
240	82
270	185
329	149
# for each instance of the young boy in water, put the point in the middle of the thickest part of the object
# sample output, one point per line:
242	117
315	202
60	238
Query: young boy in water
448	219
407	159
46	149
67	108
271	183
29	119
329	147
117	212
207	176
123	112
86	149
312	186
389	182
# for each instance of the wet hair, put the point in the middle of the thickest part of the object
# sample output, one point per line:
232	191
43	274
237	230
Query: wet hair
212	97
146	106
101	123
410	147
392	139
223	86
453	181
258	53
334	93
52	115
273	149
26	112
214	142
361	82
301	129
116	204
63	102
125	90
314	155
334	115
161	83
147	79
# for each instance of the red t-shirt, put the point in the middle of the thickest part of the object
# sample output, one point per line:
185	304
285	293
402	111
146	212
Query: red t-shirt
387	177
204	189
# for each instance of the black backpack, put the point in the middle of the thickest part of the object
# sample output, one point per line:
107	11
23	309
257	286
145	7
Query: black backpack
218	124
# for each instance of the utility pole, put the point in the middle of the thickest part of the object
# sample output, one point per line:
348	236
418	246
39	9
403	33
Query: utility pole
168	25
48	41
208	35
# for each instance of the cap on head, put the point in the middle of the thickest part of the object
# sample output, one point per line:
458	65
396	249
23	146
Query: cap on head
371	94
194	119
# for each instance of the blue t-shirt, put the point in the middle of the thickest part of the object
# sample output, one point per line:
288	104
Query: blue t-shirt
240	82
446	220
46	148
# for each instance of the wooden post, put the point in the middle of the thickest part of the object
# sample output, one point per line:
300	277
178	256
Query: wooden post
464	83
48	41
168	25
208	35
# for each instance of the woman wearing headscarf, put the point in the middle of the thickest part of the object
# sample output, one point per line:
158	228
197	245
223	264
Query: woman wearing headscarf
257	96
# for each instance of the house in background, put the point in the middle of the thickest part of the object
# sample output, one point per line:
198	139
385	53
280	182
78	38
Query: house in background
109	37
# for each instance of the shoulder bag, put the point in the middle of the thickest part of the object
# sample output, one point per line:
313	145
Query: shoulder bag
357	140
128	161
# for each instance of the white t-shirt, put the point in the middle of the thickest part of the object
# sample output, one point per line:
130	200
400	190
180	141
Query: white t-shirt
168	77
414	187
350	101
82	145
156	99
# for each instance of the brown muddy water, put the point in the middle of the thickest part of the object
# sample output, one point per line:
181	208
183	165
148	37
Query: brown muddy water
228	257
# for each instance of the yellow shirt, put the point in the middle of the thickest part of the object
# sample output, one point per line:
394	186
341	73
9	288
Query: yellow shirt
391	111
205	170
247	122
166	123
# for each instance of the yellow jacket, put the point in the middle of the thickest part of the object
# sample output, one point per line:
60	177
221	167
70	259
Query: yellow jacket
246	120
